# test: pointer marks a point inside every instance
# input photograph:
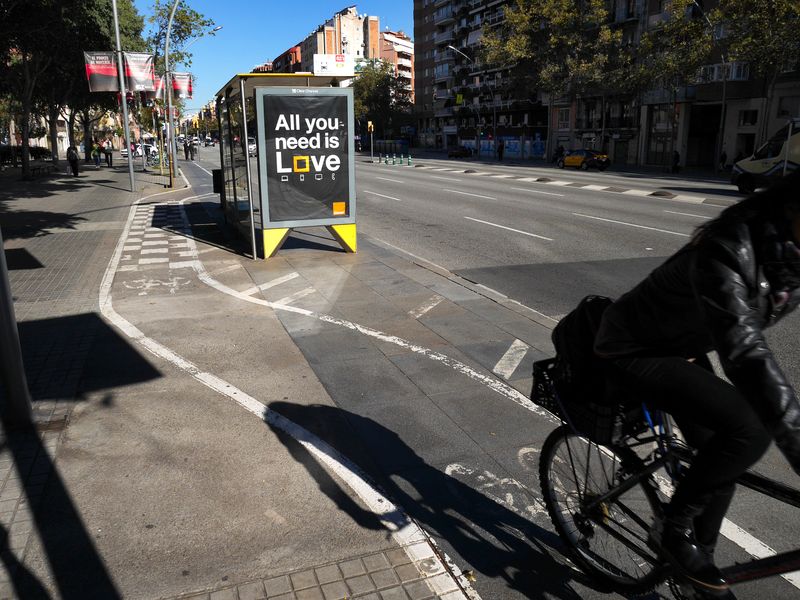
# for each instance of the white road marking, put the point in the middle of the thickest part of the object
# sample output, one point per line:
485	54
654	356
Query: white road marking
426	306
541	237
163	242
537	192
271	283
506	366
414	541
469	194
382	195
558	182
153	261
596	188
444	178
202	169
155	250
286	300
392	180
632	225
505	491
636	192
183	264
673	212
226	269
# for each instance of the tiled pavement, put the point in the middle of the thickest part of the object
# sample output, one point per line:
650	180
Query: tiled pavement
386	575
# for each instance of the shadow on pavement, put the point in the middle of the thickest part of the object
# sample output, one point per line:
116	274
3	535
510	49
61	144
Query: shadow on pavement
495	541
64	357
24	224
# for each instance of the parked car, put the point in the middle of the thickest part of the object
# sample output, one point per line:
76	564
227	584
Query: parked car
146	148
767	164
584	159
252	150
459	152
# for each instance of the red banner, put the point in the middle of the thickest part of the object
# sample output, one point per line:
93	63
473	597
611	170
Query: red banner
182	85
139	72
101	71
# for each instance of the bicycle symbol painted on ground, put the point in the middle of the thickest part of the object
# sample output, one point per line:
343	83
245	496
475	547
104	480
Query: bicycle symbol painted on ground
145	285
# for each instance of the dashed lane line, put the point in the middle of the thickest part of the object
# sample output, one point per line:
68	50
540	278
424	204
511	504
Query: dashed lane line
470	194
541	237
509	362
382	195
632	225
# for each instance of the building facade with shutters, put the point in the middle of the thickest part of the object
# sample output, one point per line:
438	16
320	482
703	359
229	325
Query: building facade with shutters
724	107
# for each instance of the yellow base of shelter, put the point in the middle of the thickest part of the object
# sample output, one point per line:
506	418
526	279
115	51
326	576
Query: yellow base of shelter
345	234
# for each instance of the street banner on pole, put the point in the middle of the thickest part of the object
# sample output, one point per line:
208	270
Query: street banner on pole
307	161
159	85
182	85
139	72
101	71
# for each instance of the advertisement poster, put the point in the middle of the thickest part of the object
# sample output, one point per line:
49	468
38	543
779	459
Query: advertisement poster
307	155
182	85
101	71
139	73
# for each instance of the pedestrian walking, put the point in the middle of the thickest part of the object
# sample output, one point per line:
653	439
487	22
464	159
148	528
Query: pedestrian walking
95	154
72	159
723	160
676	161
186	149
108	150
500	148
192	150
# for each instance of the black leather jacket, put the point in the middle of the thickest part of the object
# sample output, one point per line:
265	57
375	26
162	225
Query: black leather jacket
715	294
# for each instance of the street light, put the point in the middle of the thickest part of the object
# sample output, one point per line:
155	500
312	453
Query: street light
721	138
491	91
168	83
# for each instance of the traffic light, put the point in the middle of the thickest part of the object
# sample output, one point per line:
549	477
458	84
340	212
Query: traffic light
370	127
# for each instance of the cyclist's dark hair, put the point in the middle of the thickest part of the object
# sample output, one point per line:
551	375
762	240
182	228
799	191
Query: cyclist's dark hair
768	205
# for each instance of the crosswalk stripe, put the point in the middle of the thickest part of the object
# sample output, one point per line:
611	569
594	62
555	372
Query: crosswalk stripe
296	296
506	366
270	283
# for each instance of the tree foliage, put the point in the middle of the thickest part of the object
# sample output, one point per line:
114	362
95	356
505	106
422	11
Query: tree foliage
560	46
187	24
381	97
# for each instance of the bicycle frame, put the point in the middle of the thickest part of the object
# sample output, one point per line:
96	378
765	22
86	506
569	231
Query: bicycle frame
670	455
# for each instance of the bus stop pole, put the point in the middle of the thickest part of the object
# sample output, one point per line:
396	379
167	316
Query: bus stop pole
123	95
246	149
16	409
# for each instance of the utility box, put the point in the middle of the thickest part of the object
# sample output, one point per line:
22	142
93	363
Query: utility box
287	157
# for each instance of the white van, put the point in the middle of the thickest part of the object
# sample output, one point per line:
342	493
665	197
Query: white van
768	163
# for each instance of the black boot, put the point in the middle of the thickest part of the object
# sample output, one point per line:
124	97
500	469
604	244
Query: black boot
675	542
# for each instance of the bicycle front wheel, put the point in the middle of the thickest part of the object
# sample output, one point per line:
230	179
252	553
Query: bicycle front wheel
607	539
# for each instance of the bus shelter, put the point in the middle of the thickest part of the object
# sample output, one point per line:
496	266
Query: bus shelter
286	157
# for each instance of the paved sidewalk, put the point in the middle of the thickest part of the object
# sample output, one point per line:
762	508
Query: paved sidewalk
140	483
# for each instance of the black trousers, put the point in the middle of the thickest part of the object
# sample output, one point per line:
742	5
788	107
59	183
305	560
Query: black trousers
715	419
73	164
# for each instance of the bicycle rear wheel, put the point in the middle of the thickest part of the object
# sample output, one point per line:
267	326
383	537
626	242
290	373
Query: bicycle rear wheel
608	540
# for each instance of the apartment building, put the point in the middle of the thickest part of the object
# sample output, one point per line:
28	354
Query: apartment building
459	103
346	32
397	48
458	100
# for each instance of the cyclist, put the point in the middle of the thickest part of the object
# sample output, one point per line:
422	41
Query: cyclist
739	274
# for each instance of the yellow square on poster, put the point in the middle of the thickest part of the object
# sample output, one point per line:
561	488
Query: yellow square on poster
339	208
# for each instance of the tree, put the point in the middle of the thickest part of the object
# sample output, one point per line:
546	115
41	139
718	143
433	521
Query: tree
381	97
186	25
562	47
766	35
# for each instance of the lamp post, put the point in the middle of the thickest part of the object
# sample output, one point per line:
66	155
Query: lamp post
168	84
721	138
491	91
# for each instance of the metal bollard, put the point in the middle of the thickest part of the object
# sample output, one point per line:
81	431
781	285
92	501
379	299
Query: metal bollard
380	157
400	162
409	159
394	158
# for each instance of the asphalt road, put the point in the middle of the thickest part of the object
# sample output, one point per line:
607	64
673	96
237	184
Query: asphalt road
547	246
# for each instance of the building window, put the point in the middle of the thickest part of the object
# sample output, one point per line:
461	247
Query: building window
563	118
788	106
748	118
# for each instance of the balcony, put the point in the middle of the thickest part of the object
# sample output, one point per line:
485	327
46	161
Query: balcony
404	62
444	37
443	15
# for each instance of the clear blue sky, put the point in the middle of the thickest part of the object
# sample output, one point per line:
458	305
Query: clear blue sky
254	31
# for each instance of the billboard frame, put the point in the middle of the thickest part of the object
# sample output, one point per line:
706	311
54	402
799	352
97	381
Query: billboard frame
261	140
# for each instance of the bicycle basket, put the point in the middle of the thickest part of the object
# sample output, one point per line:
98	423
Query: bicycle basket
603	424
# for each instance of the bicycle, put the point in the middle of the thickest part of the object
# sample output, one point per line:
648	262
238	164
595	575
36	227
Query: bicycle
599	476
